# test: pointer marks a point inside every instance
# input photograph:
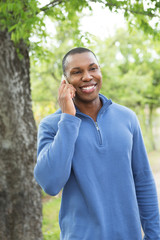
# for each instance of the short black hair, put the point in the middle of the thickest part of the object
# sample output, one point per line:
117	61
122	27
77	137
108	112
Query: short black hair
72	52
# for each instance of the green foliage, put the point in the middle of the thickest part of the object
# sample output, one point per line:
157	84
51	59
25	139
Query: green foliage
23	18
140	14
131	72
20	18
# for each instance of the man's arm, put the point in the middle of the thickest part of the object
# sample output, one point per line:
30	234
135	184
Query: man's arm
145	188
55	153
56	149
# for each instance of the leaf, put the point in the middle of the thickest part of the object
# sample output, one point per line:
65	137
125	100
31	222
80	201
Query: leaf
12	28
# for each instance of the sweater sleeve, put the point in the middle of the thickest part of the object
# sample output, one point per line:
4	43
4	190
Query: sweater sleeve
55	152
145	187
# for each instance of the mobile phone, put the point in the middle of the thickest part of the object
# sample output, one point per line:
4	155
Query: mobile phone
64	78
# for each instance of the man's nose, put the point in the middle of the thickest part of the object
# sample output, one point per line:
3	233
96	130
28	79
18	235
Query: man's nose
86	76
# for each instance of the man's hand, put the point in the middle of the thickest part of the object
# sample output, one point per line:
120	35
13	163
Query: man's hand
65	95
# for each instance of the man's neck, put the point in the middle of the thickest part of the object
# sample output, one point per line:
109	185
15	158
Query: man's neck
90	108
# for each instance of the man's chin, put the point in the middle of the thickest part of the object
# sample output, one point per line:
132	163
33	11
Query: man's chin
86	98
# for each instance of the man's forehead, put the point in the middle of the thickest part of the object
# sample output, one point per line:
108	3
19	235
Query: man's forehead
80	59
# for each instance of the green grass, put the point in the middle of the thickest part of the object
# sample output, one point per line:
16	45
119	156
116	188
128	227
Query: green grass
50	227
51	205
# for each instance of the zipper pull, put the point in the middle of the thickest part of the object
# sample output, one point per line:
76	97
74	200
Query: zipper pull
97	126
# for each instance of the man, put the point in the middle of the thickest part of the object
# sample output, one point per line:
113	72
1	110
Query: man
93	149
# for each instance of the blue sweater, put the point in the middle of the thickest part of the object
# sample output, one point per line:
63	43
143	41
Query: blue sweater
102	166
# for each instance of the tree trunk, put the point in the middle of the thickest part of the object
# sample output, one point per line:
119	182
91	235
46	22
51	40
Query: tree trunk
20	197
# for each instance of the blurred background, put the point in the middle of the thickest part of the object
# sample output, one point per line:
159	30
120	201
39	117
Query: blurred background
130	63
124	35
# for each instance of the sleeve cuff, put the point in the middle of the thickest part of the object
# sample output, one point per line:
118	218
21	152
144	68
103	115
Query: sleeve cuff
71	118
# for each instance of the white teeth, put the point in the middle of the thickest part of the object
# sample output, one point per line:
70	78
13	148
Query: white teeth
88	88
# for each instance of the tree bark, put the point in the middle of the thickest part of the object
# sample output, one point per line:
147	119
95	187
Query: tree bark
20	196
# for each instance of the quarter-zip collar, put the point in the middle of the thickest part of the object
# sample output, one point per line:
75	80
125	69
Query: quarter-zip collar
105	104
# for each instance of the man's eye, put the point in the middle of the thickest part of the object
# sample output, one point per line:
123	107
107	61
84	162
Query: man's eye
77	72
93	69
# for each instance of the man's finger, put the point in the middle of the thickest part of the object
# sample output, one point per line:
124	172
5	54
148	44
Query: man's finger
63	82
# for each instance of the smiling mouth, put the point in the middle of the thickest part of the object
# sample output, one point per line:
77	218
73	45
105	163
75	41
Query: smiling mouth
88	89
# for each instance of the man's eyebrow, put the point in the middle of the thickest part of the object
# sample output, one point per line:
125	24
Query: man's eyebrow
92	64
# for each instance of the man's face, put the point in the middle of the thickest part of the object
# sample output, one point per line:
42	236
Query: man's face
83	72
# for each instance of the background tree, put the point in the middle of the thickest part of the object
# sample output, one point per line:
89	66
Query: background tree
19	194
